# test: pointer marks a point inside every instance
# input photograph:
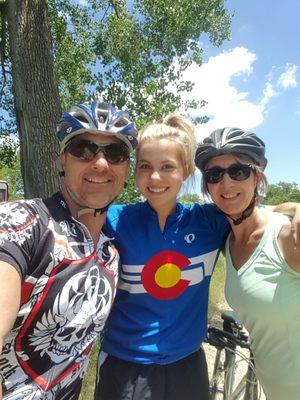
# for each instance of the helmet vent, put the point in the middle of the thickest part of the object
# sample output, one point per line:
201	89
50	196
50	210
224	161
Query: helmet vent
82	119
63	125
101	117
121	122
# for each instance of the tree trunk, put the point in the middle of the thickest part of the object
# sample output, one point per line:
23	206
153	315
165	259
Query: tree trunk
37	102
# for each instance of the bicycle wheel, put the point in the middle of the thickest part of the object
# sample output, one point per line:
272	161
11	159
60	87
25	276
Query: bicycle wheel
217	379
240	379
252	387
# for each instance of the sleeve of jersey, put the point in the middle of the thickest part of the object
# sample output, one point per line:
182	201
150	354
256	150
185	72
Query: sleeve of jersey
18	234
112	219
217	220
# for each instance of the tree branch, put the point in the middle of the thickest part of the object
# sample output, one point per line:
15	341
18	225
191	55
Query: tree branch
115	7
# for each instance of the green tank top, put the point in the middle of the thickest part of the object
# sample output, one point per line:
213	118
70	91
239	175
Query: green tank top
265	291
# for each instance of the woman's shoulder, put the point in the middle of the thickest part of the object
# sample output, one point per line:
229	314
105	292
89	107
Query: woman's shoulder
287	245
117	211
208	209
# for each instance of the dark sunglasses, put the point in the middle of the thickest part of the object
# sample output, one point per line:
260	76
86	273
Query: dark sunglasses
237	172
114	153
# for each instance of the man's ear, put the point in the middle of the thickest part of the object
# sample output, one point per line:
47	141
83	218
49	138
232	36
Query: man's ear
60	163
62	160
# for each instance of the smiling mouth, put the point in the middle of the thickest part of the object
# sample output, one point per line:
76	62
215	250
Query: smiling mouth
97	180
157	190
229	196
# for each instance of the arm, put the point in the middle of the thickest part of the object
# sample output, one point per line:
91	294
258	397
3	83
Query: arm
10	294
289	208
286	243
293	210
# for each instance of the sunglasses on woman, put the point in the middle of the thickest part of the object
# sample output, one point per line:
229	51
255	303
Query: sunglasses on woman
86	150
237	172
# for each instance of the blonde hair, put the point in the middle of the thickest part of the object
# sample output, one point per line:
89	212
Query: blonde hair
177	128
257	170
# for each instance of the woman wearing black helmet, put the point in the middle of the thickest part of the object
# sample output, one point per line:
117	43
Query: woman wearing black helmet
263	279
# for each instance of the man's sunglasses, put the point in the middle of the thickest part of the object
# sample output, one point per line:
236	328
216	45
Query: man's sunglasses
237	172
114	153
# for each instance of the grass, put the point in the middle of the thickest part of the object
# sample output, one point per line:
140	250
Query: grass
88	387
216	302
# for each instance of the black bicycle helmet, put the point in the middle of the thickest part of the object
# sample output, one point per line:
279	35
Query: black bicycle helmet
230	140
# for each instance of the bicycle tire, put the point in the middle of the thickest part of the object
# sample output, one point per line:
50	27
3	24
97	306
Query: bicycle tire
217	380
226	384
233	351
244	384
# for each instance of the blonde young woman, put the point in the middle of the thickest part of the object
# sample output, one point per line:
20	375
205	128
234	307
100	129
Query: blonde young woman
152	346
263	265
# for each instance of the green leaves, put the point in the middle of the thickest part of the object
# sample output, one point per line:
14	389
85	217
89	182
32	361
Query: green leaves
11	173
282	192
190	198
126	51
131	194
73	50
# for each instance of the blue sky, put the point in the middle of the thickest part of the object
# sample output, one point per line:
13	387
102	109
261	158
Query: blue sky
253	80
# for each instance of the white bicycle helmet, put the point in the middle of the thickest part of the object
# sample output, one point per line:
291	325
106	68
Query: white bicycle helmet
101	118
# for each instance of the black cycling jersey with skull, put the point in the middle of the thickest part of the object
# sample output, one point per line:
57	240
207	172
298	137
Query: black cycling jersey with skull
68	287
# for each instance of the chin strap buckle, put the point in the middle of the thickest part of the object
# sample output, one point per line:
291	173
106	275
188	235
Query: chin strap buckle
95	211
100	210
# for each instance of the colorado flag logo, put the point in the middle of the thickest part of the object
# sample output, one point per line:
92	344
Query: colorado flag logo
161	275
167	274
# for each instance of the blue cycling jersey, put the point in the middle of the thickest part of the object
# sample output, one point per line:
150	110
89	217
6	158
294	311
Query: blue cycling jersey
160	311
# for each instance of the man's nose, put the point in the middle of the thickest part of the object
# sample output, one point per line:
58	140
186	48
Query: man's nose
100	161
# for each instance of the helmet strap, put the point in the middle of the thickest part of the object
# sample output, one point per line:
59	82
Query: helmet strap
87	210
247	212
95	211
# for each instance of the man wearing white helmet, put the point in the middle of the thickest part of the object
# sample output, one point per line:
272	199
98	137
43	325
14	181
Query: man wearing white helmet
57	278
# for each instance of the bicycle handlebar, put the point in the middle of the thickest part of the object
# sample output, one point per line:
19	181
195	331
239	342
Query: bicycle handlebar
220	338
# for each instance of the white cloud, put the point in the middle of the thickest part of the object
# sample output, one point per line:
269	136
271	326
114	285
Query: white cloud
288	78
226	105
268	93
